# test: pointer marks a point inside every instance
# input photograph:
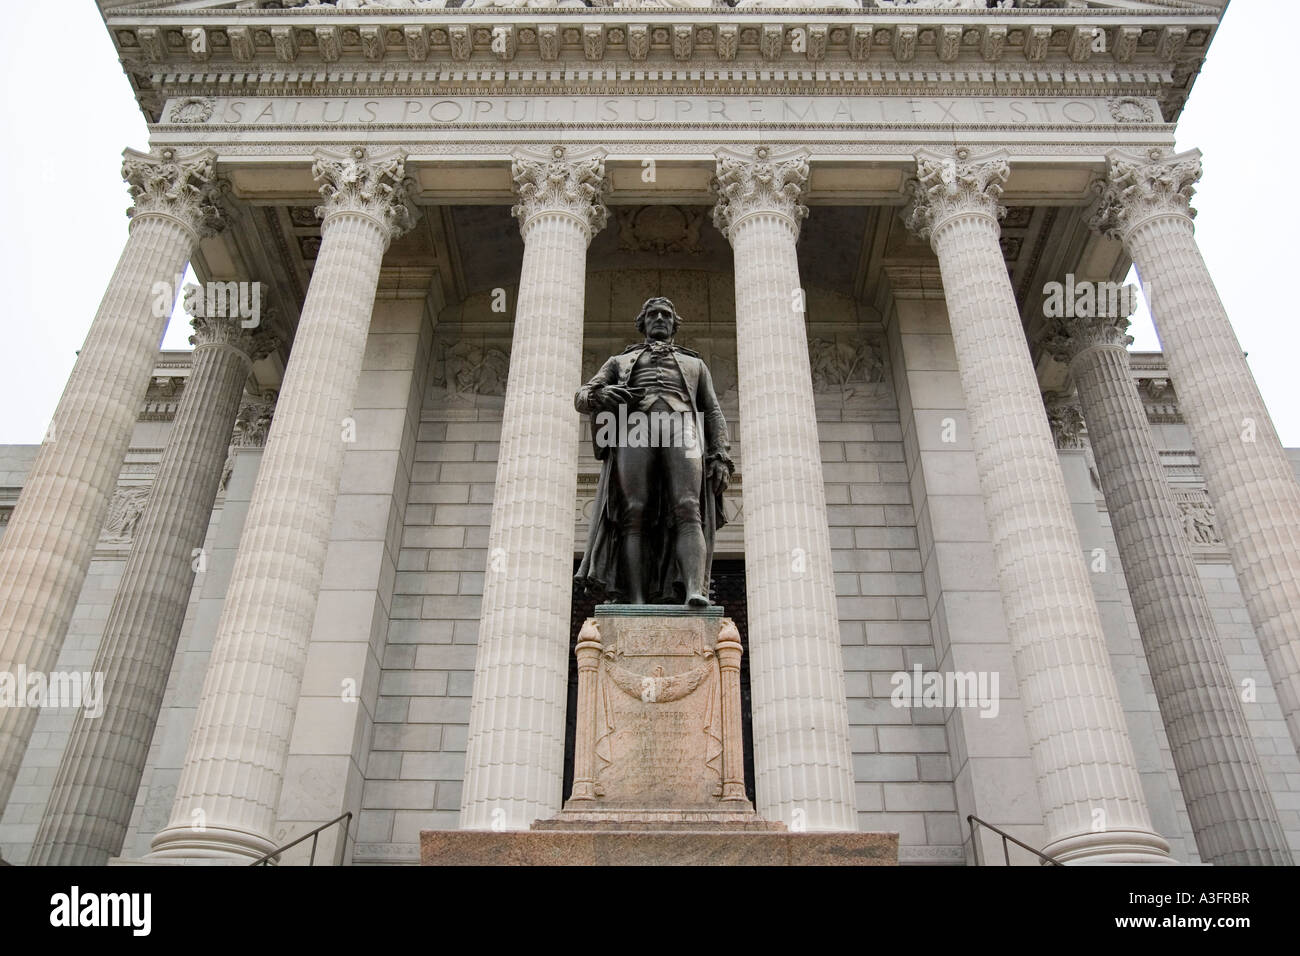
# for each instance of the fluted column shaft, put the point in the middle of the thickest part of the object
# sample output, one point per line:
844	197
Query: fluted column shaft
514	763
51	537
229	788
1094	808
94	791
802	760
1247	473
1232	814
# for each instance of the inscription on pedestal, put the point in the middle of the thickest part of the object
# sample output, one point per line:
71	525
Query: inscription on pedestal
661	752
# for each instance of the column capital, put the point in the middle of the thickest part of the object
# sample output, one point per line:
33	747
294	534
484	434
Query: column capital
253	421
254	343
373	185
560	182
1071	337
182	188
1064	418
950	185
1142	186
764	182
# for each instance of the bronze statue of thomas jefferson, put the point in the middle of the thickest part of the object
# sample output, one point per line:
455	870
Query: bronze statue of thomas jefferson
663	444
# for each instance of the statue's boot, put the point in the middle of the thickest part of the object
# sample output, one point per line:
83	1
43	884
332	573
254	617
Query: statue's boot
691	553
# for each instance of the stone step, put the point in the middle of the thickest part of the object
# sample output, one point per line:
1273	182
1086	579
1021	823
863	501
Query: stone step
655	848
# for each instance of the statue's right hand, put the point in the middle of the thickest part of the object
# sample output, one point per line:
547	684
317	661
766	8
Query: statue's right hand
612	396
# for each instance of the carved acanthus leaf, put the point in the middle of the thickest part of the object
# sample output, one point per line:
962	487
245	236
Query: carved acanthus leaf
1071	337
183	187
576	186
548	41
253	422
376	186
1036	41
256	342
764	183
638	40
946	186
1064	418
1139	187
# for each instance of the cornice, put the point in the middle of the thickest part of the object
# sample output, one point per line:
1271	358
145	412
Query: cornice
261	38
970	52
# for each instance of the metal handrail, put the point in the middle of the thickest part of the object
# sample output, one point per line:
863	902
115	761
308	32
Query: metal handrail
314	836
1006	851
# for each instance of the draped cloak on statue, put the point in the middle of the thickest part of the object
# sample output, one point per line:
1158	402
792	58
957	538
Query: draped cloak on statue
601	572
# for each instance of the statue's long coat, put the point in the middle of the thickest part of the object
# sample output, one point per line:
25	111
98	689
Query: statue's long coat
601	570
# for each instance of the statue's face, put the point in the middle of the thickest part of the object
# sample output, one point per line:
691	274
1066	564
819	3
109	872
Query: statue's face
660	322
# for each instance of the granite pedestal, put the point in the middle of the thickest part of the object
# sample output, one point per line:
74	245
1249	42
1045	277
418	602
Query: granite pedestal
658	761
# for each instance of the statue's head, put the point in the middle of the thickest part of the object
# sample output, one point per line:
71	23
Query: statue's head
661	308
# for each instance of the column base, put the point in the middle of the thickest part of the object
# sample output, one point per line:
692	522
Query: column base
1111	848
209	846
178	861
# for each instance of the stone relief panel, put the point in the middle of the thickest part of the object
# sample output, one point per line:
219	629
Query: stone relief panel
849	370
468	372
1200	524
124	513
660	229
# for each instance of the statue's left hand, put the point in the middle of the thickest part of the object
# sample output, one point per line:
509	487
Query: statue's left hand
719	476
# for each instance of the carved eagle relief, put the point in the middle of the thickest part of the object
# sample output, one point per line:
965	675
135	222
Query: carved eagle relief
656	688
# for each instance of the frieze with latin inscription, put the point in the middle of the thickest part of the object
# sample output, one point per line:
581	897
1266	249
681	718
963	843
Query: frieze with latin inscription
640	110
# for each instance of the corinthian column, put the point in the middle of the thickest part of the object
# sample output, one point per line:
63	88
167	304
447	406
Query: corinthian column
514	762
802	761
1231	811
226	800
51	537
1094	809
1145	203
94	792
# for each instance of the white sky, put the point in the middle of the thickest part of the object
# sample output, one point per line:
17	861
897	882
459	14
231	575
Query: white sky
63	197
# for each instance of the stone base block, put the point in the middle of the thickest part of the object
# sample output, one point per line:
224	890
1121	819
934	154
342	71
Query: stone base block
655	848
665	820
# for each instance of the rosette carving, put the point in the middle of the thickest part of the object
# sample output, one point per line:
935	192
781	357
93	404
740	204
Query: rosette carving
184	188
1139	187
560	184
947	186
375	186
765	183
